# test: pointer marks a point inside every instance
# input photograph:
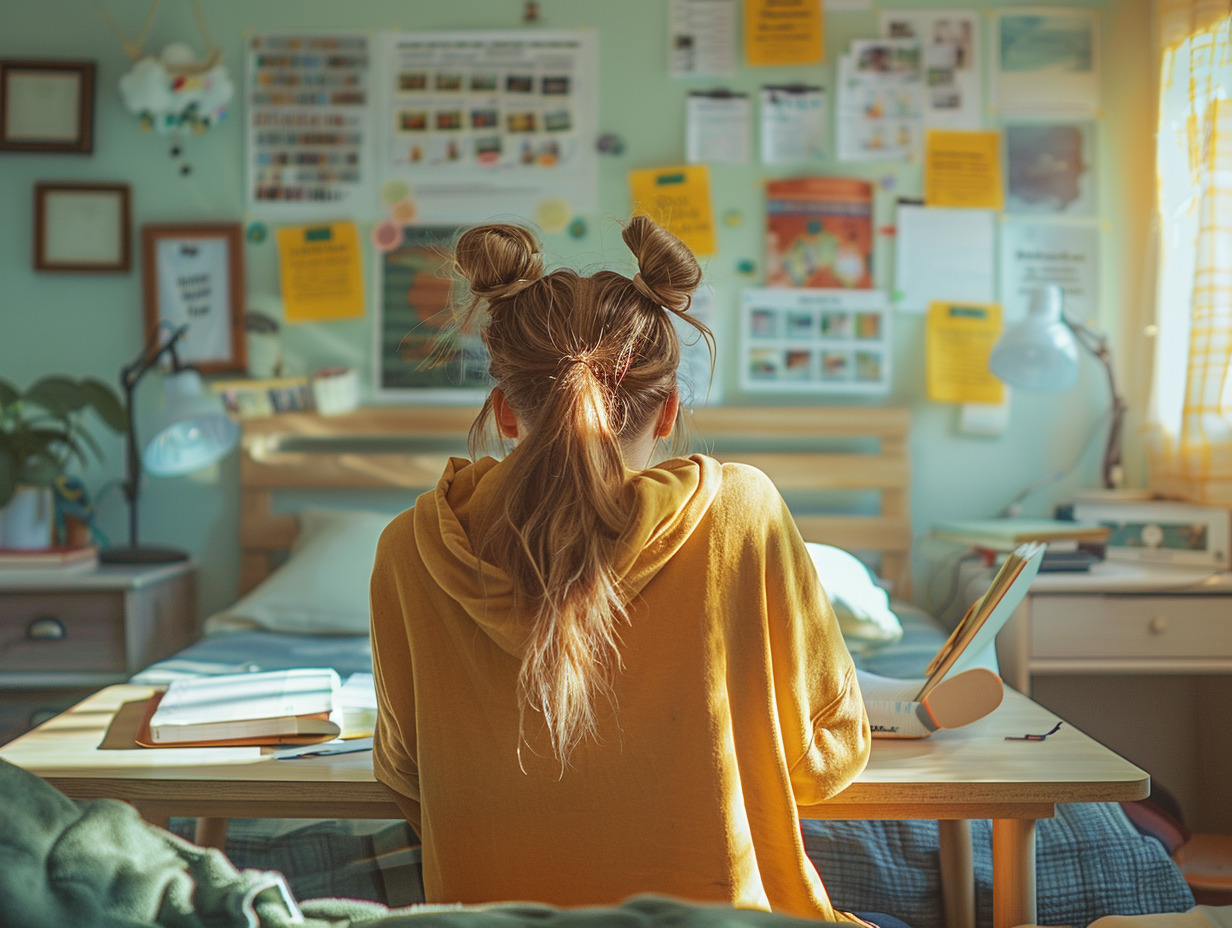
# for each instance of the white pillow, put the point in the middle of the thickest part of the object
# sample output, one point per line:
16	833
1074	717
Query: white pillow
323	586
862	607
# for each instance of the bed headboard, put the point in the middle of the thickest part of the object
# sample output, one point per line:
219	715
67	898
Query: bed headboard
843	471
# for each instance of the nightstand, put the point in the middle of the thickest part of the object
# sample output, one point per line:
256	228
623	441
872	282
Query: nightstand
64	635
1139	657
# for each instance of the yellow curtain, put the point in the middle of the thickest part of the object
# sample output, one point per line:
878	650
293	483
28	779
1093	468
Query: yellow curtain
1189	435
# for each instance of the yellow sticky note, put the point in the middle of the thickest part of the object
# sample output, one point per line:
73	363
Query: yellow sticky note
963	169
678	199
958	341
321	274
782	32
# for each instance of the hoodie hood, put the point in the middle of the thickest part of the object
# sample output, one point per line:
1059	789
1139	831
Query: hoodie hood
669	502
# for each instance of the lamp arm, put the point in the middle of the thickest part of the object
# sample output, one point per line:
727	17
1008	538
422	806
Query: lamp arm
1098	346
130	376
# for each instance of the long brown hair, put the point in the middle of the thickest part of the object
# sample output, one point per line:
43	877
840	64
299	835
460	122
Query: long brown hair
583	361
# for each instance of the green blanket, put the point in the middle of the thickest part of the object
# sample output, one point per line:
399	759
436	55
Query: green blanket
97	864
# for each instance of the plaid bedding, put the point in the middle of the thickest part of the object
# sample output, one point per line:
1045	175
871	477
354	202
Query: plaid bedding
1090	861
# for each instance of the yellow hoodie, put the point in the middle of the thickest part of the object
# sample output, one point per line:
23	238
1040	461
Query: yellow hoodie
736	700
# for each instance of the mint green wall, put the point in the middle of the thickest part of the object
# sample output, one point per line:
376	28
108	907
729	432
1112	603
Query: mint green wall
91	324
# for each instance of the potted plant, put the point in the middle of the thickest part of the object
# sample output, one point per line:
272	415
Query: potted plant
43	430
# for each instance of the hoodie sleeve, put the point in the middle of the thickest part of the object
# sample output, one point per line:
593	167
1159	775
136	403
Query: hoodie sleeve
824	726
394	749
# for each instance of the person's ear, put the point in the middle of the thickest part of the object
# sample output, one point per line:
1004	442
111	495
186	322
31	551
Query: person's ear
667	415
506	421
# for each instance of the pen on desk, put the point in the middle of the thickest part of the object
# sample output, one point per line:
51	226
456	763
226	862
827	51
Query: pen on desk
349	746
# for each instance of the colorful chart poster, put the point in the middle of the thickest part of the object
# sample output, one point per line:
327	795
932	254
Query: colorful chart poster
1037	253
880	101
701	38
309	137
678	198
963	169
320	271
958	342
950	56
793	124
1046	61
415	290
488	124
819	233
778	32
815	341
1050	168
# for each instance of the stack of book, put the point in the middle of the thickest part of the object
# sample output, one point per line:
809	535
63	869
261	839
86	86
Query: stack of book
60	559
1071	545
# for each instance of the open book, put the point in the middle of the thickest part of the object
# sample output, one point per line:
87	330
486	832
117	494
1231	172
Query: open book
273	707
970	644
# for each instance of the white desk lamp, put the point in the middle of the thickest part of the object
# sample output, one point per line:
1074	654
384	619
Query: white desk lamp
190	432
1040	353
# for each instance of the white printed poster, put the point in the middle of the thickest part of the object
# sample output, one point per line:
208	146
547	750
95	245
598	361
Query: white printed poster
718	129
815	341
880	102
1046	61
491	125
793	124
944	256
193	291
1037	253
310	141
950	56
701	38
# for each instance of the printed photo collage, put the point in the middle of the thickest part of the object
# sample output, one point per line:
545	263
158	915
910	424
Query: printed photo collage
515	114
815	341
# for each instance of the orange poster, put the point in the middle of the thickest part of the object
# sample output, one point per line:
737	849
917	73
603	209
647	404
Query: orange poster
678	198
819	233
780	32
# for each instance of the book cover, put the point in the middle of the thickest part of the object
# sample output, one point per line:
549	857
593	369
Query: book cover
819	233
250	708
1005	534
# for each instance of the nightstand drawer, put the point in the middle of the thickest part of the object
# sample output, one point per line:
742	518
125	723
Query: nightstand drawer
64	632
1131	626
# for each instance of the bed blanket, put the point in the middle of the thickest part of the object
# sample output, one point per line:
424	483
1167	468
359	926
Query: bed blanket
97	864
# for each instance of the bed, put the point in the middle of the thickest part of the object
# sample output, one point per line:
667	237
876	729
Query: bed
316	490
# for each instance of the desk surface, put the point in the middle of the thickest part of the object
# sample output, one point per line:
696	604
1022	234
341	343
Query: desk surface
971	772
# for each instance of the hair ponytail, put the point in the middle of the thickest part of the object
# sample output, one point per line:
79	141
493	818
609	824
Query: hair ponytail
583	362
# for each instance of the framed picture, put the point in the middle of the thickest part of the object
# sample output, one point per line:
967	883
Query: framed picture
193	275
82	228
47	106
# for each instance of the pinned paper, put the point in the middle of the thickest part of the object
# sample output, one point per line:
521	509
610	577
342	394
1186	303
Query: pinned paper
793	123
963	169
944	254
717	127
678	198
702	38
778	32
320	272
959	340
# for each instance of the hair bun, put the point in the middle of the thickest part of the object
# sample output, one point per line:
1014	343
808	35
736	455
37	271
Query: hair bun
668	274
498	260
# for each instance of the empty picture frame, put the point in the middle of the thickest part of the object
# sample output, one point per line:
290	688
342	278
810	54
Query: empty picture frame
82	228
193	275
47	106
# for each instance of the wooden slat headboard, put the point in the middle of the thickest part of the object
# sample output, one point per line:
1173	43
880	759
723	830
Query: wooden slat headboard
857	454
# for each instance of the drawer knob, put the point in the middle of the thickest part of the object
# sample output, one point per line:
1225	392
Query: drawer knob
45	628
1158	625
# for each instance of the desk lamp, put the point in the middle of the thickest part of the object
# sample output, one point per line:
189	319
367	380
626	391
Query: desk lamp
190	432
1040	353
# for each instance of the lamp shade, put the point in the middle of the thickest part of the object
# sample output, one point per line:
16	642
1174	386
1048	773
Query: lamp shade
191	431
1040	352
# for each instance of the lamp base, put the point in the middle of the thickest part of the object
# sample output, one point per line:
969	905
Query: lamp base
141	555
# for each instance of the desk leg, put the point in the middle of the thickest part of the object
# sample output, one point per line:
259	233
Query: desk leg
211	832
957	873
1013	872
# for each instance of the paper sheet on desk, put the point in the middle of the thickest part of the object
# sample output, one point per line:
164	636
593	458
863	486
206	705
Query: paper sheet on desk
358	698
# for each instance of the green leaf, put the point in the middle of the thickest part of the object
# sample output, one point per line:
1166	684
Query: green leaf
8	393
58	395
8	476
106	403
40	471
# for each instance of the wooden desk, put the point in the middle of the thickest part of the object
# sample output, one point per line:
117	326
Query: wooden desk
952	777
